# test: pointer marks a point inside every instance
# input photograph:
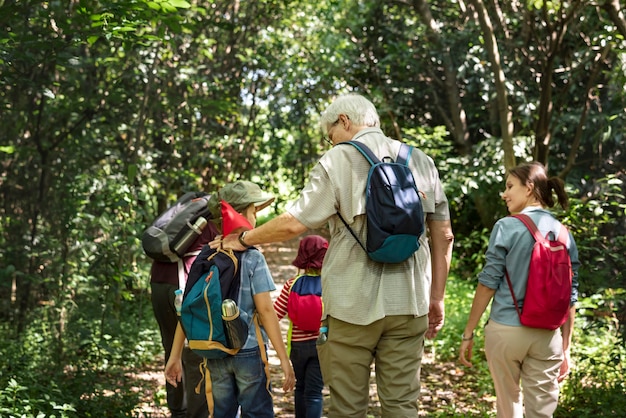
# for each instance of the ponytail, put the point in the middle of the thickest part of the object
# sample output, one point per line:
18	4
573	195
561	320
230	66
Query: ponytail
556	184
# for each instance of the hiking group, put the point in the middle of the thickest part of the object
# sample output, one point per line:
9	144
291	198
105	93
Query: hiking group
370	294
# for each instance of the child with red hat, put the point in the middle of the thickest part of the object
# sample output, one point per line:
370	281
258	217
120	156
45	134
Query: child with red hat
300	299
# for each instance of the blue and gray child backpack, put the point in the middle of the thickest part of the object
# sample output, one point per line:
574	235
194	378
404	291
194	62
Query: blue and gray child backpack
395	217
173	231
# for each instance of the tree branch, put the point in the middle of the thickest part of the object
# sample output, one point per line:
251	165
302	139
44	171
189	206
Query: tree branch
591	84
505	115
616	15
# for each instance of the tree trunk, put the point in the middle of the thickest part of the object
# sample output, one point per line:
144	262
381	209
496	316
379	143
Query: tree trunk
457	123
553	45
542	128
591	85
504	112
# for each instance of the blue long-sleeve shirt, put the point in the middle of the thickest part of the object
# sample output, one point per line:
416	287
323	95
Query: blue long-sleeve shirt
510	247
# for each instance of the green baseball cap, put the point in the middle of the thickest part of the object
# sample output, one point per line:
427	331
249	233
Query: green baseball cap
240	195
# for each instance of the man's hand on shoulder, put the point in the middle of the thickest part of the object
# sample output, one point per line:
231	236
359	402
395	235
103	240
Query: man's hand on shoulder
229	242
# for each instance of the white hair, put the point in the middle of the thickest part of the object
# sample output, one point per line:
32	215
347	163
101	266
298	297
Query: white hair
356	107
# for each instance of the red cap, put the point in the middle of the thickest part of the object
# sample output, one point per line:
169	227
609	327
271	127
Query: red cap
311	252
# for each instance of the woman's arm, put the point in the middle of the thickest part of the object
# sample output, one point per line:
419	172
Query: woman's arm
482	297
566	330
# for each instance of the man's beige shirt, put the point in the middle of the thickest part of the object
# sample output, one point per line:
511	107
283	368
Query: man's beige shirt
356	289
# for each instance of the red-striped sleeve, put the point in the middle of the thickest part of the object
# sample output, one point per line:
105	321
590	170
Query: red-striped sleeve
298	335
280	305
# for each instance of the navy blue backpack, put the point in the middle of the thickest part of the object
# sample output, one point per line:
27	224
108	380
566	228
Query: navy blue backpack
395	217
214	276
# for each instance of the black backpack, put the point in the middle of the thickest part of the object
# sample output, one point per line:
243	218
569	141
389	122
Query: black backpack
395	217
172	232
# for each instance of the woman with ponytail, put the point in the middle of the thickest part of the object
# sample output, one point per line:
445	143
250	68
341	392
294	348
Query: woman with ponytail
538	358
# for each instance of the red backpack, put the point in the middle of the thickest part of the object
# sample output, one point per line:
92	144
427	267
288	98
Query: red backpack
548	291
304	305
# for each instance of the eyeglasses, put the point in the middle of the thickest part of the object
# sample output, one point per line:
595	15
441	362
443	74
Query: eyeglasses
329	136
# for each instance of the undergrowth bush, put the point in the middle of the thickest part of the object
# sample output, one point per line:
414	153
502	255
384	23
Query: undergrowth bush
597	219
595	387
84	370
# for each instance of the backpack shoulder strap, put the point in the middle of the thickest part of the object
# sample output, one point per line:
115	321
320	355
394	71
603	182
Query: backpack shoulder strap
351	231
526	220
404	154
293	283
563	233
532	228
259	338
508	280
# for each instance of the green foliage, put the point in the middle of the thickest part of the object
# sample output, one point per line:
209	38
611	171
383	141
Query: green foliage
469	250
85	371
433	141
596	385
15	401
473	186
598	223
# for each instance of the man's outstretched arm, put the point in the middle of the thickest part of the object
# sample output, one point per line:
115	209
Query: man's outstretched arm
281	228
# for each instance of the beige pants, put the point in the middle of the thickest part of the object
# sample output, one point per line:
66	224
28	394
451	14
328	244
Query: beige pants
395	344
531	356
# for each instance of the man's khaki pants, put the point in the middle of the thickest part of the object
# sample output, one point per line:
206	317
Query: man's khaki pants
395	344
